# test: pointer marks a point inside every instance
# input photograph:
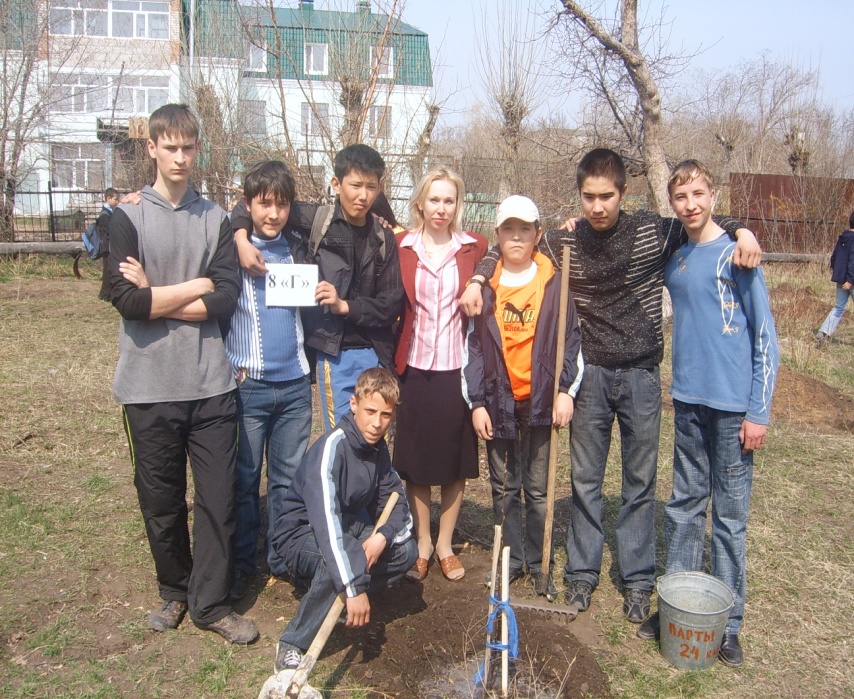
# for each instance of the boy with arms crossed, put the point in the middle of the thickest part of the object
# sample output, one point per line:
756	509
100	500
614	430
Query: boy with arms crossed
617	261
360	294
725	361
173	276
324	533
265	346
511	348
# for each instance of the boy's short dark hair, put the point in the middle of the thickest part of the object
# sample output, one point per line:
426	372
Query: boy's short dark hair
851	221
378	380
270	177
173	120
110	192
602	162
358	157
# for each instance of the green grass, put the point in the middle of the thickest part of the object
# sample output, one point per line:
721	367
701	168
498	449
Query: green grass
78	579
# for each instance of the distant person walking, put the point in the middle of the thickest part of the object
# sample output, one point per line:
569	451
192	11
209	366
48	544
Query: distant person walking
111	201
842	266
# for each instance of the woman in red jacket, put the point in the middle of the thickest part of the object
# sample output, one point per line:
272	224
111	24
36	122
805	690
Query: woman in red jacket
435	443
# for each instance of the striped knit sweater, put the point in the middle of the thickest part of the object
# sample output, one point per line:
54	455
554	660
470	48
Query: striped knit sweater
616	278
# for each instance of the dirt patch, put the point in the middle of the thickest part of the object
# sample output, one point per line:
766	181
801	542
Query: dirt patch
803	400
423	634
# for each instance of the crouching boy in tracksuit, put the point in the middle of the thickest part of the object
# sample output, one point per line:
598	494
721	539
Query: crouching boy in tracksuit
324	532
509	381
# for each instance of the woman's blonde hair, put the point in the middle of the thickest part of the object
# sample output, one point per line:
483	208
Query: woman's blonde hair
419	196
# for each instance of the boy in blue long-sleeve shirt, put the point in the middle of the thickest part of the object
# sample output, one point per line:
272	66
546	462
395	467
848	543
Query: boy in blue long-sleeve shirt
725	361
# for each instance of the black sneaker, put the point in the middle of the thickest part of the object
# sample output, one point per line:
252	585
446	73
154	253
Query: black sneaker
514	575
636	605
240	586
821	340
650	630
288	657
578	593
169	615
550	591
731	653
233	628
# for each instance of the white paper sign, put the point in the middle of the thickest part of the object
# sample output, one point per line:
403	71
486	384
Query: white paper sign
290	285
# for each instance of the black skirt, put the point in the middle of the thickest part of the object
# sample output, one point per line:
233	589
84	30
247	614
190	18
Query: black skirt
434	441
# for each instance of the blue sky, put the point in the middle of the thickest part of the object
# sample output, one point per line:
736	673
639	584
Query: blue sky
817	34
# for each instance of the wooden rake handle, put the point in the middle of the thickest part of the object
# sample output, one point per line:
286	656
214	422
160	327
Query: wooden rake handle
555	435
309	660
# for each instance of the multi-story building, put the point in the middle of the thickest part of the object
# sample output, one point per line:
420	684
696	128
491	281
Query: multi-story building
267	81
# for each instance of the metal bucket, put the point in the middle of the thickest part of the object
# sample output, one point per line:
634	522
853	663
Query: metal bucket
693	610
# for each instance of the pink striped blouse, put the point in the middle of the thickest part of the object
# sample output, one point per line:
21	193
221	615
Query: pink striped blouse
437	340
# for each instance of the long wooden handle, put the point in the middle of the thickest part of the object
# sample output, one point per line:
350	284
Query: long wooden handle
555	436
493	581
316	648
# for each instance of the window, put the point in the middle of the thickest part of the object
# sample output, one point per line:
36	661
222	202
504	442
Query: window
256	61
117	18
81	92
378	122
316	59
382	57
140	95
78	165
253	117
78	17
315	119
143	20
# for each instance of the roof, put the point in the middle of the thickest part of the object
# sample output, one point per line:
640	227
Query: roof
360	20
347	34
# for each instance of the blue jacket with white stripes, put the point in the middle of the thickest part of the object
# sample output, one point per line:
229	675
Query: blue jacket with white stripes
338	492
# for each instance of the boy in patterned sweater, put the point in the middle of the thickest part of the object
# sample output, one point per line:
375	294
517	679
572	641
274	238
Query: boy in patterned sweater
265	346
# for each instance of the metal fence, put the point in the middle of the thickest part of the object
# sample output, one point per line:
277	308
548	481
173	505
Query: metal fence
55	215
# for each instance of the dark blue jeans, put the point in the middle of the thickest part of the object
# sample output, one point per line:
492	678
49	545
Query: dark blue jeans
274	418
311	574
708	464
516	466
633	397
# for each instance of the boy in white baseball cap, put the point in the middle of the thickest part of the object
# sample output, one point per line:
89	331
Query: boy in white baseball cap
511	349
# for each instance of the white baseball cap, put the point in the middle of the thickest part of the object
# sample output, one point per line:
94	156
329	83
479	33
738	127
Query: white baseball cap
517	207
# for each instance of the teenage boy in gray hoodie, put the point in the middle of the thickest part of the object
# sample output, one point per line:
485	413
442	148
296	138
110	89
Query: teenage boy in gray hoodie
174	278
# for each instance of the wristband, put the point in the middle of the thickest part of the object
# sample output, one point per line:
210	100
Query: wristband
474	280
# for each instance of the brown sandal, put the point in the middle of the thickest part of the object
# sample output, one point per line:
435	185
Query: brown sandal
418	572
450	565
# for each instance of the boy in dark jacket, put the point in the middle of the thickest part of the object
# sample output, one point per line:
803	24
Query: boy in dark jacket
842	272
509	381
111	201
324	534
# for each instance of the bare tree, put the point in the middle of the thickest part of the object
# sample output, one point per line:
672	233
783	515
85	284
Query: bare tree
509	63
23	102
598	44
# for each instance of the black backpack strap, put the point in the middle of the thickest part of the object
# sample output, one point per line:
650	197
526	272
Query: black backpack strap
321	223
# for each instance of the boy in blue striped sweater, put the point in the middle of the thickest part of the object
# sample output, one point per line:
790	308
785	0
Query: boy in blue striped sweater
265	346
